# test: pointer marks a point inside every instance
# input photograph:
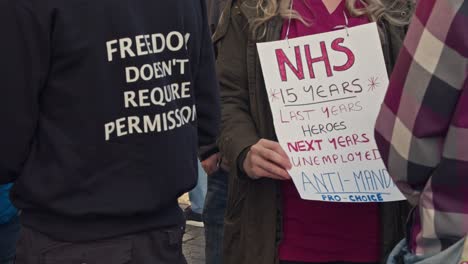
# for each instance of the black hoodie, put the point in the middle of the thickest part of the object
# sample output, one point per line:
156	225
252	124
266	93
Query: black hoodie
103	105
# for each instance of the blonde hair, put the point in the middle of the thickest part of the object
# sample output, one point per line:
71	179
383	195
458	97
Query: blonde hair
395	12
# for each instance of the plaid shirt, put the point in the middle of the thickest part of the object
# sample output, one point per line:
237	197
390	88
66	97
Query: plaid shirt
422	129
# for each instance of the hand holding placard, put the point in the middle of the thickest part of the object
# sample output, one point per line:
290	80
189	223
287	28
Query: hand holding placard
267	159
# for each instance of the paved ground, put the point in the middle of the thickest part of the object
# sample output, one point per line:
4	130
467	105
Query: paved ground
194	245
194	239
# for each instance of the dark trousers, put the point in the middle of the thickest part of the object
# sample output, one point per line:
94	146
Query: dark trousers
338	262
152	247
213	216
9	233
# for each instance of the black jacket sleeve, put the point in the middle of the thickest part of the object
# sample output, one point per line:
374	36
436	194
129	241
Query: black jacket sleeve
24	53
207	93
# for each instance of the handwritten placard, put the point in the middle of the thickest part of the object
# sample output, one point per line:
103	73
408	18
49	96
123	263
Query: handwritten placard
325	92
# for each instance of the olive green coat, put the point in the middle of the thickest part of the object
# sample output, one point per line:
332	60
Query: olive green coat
253	217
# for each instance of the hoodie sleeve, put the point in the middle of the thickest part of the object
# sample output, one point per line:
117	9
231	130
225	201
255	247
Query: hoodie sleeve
207	94
24	52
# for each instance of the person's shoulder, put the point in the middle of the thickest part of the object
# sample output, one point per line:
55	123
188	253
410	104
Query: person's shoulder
233	16
246	8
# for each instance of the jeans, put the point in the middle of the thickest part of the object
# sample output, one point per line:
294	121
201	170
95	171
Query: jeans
402	255
9	233
213	216
197	195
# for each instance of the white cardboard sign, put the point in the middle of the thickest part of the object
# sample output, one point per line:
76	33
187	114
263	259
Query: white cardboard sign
325	93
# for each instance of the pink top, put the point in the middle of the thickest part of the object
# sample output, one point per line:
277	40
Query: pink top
322	231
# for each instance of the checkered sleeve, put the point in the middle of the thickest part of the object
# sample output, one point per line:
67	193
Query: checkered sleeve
423	94
422	129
